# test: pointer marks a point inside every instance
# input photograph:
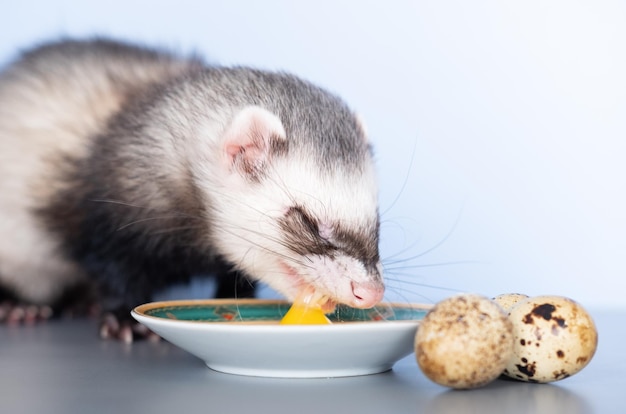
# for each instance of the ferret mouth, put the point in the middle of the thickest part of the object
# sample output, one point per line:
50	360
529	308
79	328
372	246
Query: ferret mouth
312	297
327	304
300	290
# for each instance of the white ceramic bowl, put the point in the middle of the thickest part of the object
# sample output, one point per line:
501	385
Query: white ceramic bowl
243	337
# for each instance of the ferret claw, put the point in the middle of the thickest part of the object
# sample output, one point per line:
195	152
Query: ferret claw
126	331
18	314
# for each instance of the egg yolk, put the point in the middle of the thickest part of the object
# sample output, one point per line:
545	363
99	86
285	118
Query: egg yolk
304	311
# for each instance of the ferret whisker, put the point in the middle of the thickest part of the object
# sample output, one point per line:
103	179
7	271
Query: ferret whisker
173	230
288	192
379	312
120	202
280	184
429	250
436	245
399	254
171	215
396	265
260	246
404	276
142	220
234	199
418	284
413	287
404	183
259	233
176	214
272	239
401	293
278	180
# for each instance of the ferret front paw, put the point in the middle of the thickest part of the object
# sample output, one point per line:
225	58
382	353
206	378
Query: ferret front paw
14	313
125	329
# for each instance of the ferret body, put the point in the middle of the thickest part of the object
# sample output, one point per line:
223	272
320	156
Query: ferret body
131	169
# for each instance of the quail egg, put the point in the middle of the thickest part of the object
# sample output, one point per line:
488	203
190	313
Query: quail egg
554	338
464	341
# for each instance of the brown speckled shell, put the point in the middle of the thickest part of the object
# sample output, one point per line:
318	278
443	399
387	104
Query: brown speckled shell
464	342
554	338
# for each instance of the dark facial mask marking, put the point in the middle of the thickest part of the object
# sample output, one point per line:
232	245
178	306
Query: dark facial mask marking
303	237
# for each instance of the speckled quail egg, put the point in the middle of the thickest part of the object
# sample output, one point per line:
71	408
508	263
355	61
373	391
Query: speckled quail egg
464	341
554	338
508	300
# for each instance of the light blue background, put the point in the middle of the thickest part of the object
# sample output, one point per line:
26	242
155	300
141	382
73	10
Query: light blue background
499	127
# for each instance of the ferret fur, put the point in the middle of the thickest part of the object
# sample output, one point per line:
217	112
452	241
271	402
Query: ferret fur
131	169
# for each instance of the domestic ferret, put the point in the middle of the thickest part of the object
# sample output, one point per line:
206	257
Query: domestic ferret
127	170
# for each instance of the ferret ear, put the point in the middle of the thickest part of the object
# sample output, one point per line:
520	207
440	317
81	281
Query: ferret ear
252	137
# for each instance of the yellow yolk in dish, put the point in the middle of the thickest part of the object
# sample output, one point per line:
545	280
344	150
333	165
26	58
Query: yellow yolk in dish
300	314
305	311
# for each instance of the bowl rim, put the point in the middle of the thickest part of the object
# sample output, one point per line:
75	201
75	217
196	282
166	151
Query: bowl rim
141	310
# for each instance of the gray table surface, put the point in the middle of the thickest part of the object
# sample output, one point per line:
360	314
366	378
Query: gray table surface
62	367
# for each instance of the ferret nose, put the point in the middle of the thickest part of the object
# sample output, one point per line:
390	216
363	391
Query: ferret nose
367	295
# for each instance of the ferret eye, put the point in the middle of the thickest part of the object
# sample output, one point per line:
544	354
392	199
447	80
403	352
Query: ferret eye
304	221
302	233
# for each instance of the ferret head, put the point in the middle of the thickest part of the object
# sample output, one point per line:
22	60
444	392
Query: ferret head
295	199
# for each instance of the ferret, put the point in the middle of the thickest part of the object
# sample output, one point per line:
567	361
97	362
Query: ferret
127	170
